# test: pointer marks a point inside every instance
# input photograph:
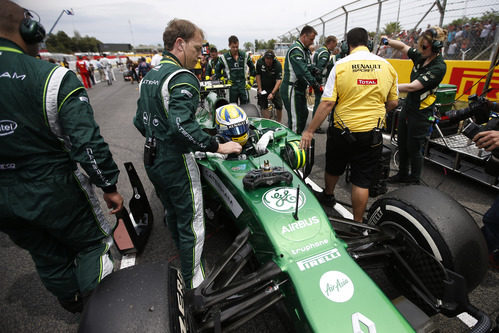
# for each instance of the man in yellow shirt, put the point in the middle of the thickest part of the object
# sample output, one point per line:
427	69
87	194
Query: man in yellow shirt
361	88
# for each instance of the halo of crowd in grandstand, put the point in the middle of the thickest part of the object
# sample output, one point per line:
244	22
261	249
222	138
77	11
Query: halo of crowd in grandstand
465	41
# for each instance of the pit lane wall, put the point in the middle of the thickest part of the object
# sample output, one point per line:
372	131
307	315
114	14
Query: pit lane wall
462	73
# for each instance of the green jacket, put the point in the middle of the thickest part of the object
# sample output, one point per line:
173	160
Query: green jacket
47	123
169	97
297	67
236	71
211	65
321	61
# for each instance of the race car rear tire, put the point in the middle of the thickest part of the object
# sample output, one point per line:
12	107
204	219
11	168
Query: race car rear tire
437	223
142	298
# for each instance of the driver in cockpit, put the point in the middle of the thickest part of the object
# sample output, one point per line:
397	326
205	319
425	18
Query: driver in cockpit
232	124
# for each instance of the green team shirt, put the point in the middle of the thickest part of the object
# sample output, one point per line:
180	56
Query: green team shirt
47	123
269	75
321	61
169	97
430	77
236	71
297	67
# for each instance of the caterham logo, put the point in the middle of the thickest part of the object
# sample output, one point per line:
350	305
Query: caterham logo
7	127
283	199
336	286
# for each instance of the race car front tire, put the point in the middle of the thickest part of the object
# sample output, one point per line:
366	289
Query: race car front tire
142	298
439	224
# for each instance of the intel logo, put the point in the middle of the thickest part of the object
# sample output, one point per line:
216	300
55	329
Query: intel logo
7	127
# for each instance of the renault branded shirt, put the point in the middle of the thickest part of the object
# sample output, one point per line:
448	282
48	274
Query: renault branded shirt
361	84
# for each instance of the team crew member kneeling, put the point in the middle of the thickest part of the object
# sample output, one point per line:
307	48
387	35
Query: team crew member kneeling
361	87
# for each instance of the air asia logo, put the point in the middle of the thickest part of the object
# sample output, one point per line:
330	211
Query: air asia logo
283	199
362	82
318	259
7	127
336	286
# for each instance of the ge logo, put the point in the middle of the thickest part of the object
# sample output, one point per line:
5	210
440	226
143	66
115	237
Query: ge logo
283	199
155	122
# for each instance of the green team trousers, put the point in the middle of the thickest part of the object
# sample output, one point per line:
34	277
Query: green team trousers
60	222
177	181
238	91
295	103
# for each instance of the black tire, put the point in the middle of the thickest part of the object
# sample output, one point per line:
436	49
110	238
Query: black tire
251	110
141	298
439	224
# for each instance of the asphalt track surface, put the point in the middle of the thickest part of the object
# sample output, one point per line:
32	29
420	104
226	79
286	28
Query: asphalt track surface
26	306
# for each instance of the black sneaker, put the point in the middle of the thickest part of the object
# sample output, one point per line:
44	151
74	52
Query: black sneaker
327	200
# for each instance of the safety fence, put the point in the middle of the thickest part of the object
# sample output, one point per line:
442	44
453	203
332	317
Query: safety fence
475	42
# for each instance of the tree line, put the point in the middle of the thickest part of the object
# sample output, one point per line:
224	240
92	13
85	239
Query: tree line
62	43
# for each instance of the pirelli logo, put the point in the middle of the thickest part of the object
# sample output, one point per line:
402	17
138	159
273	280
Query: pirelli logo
466	80
318	259
364	82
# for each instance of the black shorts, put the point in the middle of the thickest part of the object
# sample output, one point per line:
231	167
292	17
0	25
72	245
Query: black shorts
277	100
363	155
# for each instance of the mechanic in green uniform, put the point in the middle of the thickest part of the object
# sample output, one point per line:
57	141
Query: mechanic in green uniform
269	78
212	64
415	118
169	97
297	76
47	206
321	60
235	66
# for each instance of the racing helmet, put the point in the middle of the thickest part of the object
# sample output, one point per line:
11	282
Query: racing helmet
232	123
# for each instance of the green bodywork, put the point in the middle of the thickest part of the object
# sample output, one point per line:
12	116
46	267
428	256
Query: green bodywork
325	287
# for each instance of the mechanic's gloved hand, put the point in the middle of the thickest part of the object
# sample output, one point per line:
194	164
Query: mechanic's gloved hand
248	86
252	80
222	79
229	82
207	78
261	145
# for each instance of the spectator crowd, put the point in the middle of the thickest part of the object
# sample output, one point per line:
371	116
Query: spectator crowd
464	41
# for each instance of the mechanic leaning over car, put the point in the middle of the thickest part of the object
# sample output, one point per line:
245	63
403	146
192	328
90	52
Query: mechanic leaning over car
363	87
297	76
321	60
415	118
235	66
169	97
269	78
47	206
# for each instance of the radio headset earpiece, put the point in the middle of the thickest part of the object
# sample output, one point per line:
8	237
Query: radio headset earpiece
370	45
31	30
436	45
344	49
